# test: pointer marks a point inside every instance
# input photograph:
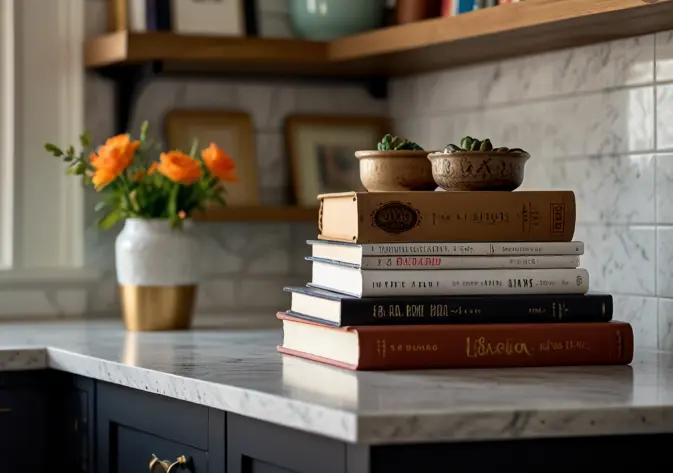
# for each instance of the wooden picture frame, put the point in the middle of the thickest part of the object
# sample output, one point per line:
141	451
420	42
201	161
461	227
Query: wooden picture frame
233	132
313	140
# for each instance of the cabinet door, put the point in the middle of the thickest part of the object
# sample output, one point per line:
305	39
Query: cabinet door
254	446
24	432
134	426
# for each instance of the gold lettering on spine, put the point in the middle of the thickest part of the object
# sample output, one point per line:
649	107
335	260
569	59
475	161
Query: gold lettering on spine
481	348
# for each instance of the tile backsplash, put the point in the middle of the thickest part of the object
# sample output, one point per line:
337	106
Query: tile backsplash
596	120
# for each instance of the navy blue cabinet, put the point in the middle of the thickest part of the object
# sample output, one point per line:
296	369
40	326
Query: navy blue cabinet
133	427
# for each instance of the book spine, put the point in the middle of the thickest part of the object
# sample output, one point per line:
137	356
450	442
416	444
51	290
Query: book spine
476	310
524	216
468	262
474	249
491	346
158	14
377	283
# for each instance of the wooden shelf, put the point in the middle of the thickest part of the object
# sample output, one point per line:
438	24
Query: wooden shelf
187	53
516	29
260	214
493	33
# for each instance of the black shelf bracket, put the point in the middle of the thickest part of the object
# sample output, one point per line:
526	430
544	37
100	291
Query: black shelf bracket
378	87
129	82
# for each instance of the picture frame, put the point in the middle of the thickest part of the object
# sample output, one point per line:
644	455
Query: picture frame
209	17
233	132
322	152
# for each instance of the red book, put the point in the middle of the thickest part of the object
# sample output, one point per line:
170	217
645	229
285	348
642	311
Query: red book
458	346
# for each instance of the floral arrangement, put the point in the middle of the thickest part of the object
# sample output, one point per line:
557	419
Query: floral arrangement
136	185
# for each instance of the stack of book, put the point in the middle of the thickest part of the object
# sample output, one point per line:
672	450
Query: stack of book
418	280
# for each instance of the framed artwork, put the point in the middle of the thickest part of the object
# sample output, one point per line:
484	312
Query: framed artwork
322	151
232	132
209	17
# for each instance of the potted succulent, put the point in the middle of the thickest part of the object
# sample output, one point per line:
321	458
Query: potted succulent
478	165
397	164
157	253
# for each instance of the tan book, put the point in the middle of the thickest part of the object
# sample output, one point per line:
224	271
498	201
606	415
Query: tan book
385	217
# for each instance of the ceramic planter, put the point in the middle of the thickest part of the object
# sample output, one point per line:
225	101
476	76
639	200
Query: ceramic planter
398	170
478	170
158	270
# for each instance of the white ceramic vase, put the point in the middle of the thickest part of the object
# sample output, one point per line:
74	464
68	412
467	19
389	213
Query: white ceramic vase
158	270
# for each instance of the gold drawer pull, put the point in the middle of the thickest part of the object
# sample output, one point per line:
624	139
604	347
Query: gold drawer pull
5	409
181	464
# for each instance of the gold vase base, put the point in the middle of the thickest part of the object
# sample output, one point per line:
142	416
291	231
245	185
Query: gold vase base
155	308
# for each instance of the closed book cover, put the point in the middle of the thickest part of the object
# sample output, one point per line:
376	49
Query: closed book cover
459	346
339	310
428	216
447	282
355	253
396	263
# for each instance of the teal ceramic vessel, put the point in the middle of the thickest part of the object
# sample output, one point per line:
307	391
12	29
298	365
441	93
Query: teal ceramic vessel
325	20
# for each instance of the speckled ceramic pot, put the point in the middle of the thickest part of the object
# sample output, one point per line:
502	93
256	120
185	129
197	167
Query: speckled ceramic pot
390	171
478	170
158	270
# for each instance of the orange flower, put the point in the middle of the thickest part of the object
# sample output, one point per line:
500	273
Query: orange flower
153	168
112	159
139	175
179	167
219	163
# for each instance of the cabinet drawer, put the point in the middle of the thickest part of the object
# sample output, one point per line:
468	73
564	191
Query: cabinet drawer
132	451
175	420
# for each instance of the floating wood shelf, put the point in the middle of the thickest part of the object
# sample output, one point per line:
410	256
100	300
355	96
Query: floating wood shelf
260	214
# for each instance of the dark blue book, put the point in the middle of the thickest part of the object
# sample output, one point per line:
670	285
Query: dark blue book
159	15
339	310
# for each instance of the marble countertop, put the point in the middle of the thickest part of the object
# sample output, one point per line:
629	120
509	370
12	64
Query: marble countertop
240	371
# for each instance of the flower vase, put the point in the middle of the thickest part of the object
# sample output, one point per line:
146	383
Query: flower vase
158	272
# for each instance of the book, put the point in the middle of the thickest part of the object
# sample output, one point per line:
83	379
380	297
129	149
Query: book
428	216
159	15
446	282
339	310
394	263
354	253
458	346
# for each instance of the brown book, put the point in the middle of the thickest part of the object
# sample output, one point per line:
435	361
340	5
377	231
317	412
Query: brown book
458	346
384	217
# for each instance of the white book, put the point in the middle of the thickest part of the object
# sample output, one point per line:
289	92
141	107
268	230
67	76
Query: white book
137	10
354	253
465	262
464	282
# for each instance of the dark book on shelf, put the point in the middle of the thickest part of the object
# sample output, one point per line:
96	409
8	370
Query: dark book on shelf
338	310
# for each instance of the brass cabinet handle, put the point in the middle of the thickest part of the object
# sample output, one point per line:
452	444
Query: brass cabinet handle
5	409
181	464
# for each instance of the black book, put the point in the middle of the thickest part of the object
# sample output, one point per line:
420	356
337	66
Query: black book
338	310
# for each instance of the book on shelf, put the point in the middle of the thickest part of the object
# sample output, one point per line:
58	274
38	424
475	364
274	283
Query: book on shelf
458	346
354	253
335	309
440	282
394	263
387	217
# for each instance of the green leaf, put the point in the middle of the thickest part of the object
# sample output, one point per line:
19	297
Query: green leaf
195	147
110	219
85	139
173	201
53	149
143	130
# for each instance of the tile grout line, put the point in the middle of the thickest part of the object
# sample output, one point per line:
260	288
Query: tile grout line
655	109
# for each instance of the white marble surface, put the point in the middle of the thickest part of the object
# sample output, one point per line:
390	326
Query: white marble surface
240	372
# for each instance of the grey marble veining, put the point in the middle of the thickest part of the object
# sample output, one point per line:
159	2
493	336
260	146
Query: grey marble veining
240	372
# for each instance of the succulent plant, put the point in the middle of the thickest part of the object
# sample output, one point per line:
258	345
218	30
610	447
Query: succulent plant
472	144
395	143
